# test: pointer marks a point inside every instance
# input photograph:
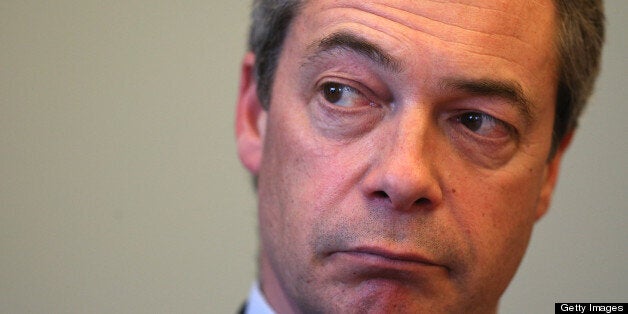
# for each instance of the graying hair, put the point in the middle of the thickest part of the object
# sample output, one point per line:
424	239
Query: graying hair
271	20
579	40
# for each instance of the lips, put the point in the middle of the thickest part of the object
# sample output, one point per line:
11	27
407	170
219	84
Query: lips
377	265
380	255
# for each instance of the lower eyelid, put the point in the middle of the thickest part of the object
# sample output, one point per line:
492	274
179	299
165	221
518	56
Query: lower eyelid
350	94
497	121
509	131
355	87
508	128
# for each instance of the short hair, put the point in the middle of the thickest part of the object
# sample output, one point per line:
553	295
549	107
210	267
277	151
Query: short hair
579	38
271	20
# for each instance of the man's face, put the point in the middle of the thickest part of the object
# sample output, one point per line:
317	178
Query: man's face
404	157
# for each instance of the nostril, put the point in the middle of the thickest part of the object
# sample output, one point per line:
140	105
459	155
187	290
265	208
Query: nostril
422	202
381	194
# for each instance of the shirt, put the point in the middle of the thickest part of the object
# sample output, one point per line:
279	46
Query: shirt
256	303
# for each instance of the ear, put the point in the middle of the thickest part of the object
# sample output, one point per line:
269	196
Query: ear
551	176
250	118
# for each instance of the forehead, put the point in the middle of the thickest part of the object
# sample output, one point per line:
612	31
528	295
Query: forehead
515	37
516	19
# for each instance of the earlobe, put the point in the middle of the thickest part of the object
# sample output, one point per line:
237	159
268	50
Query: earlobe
551	177
250	118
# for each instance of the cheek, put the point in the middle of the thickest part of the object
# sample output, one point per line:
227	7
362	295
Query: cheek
500	204
297	172
310	164
497	213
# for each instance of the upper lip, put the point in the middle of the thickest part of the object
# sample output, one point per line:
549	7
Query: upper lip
392	255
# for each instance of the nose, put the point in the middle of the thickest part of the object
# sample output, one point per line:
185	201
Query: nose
404	176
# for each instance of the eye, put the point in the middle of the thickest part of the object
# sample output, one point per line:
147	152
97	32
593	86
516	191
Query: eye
484	125
343	95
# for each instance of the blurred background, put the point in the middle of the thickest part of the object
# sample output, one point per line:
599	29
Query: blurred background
120	188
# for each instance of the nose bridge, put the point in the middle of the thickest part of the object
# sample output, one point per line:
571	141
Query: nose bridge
405	173
412	148
410	141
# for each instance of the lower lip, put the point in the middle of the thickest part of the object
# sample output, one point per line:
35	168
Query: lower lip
372	262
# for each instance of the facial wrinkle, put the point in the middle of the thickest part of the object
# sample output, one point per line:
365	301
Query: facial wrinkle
456	40
399	14
422	234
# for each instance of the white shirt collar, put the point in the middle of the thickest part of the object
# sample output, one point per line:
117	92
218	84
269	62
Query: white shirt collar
257	303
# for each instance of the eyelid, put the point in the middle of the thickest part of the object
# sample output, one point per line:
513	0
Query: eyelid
510	129
359	88
487	116
490	114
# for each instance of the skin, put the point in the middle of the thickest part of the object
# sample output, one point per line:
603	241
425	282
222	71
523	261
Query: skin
387	196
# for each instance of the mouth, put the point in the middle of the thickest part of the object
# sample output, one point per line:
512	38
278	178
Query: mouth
375	257
398	257
384	265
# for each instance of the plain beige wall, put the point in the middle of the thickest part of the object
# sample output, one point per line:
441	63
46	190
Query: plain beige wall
120	188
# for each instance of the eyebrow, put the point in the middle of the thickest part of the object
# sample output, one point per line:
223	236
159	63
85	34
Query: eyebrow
351	42
509	90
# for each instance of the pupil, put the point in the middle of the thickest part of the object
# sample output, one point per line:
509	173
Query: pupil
473	121
333	92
